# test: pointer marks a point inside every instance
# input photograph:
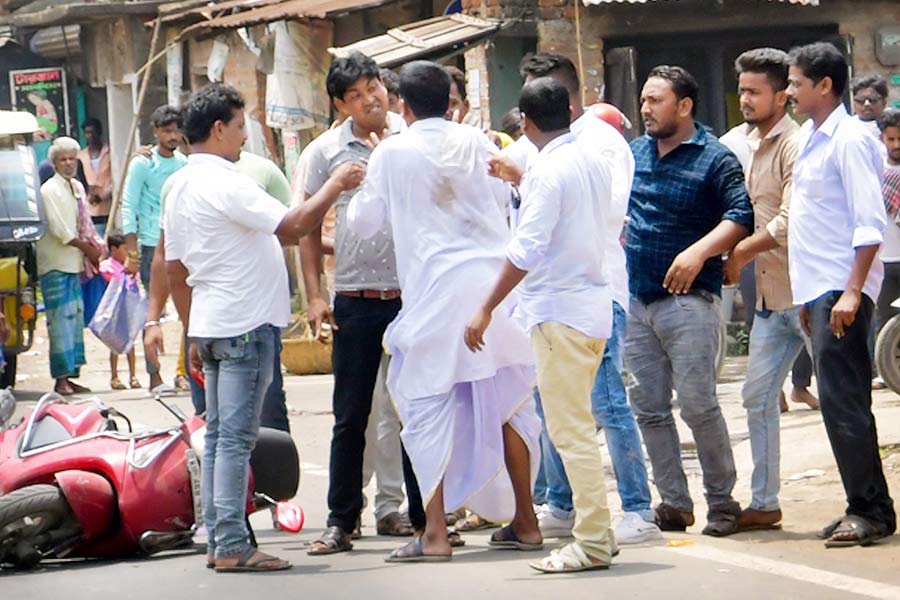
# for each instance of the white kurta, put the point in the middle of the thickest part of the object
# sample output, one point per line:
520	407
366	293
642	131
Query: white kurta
430	184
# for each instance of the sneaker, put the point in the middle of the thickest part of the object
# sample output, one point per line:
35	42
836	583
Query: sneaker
553	526
633	529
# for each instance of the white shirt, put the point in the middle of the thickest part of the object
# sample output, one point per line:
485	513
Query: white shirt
221	226
566	198
735	139
596	135
430	185
836	207
874	130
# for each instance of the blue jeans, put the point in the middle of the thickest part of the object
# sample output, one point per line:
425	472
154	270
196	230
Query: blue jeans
775	341
238	372
609	403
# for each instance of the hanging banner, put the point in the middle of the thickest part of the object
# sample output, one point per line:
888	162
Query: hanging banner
295	93
43	93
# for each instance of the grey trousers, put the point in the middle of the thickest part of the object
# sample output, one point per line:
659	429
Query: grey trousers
671	345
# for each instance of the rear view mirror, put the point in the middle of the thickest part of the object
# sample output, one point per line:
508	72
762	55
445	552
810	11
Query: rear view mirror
289	516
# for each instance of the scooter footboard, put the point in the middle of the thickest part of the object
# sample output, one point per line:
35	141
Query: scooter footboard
91	498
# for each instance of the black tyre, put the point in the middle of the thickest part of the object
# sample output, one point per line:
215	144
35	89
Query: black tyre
8	377
887	354
25	516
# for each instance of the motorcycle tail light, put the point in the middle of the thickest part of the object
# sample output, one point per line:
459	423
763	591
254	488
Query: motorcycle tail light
289	516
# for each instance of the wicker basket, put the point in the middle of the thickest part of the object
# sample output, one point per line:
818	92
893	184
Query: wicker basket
306	356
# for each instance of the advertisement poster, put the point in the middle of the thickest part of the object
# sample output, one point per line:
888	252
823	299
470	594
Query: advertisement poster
42	92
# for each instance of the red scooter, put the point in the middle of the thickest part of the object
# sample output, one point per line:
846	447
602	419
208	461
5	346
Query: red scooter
72	484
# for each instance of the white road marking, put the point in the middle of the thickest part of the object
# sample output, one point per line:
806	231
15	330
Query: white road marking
313	469
836	581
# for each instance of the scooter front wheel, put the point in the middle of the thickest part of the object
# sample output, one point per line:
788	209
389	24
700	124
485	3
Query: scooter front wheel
28	516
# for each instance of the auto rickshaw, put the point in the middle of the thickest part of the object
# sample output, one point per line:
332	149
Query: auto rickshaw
22	223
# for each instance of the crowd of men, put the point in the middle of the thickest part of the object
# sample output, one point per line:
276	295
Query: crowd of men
486	315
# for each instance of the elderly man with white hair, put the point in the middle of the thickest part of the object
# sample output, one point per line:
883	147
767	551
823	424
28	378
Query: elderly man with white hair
61	254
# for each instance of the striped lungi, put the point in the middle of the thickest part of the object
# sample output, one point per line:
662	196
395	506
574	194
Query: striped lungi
65	322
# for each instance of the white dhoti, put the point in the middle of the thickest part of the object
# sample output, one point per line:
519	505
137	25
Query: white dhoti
458	437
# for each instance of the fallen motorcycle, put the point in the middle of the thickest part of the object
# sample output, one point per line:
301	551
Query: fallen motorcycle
72	484
887	351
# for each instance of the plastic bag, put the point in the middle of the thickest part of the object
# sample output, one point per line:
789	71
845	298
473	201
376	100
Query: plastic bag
120	316
92	292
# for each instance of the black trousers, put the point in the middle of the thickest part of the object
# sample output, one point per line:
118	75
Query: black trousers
844	367
356	354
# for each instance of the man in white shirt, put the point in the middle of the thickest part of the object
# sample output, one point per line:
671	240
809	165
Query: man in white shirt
609	399
565	302
837	220
463	416
223	256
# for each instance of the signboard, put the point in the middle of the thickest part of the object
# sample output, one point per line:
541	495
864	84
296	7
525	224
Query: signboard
43	93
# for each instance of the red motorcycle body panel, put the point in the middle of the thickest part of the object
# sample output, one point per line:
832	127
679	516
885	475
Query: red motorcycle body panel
91	498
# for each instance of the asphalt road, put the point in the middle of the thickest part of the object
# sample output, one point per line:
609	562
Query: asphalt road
781	564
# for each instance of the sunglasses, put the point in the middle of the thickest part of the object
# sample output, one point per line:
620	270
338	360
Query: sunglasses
868	99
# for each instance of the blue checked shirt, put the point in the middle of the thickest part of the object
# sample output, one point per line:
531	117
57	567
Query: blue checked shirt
675	201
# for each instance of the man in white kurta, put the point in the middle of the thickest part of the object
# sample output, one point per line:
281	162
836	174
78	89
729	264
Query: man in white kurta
464	416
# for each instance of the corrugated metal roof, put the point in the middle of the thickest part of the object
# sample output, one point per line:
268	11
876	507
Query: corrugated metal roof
77	12
589	2
439	35
205	9
267	11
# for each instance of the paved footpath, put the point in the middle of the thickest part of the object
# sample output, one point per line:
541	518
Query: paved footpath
782	564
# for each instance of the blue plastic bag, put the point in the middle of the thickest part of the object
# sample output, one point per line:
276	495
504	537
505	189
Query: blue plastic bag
120	316
92	292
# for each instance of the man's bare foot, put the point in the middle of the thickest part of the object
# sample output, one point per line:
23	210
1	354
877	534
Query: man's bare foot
436	544
803	395
527	531
63	387
782	402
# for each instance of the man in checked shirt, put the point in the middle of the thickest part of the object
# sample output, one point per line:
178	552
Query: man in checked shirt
688	206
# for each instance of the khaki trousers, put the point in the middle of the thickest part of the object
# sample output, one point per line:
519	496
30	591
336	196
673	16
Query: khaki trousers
567	362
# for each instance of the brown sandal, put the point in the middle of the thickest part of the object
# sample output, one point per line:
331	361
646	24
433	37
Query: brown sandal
116	384
332	541
252	560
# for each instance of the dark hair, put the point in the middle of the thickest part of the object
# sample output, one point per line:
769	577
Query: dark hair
511	123
115	240
211	103
546	102
821	60
459	78
94	123
683	83
876	82
347	70
771	62
889	118
543	64
165	115
390	80
425	87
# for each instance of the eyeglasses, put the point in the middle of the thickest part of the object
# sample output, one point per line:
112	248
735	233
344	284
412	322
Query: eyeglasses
868	99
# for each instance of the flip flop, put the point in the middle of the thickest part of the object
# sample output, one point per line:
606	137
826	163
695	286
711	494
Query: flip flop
245	563
825	533
475	523
455	539
418	555
79	389
506	539
568	559
164	389
865	533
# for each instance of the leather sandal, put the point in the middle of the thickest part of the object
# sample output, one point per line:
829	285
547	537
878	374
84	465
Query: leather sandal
332	540
669	518
251	560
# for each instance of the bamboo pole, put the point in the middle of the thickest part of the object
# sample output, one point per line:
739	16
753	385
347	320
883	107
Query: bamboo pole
578	50
113	209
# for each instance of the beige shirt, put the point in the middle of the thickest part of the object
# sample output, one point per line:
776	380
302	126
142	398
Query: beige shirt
769	177
61	209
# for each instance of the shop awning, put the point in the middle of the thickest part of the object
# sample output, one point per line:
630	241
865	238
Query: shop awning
589	2
222	15
432	38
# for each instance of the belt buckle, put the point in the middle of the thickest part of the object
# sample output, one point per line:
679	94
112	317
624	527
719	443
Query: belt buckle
382	295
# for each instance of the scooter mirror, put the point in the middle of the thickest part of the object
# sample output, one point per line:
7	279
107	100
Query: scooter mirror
289	516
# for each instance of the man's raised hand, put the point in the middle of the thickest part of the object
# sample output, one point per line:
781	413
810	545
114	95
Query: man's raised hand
349	175
503	167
